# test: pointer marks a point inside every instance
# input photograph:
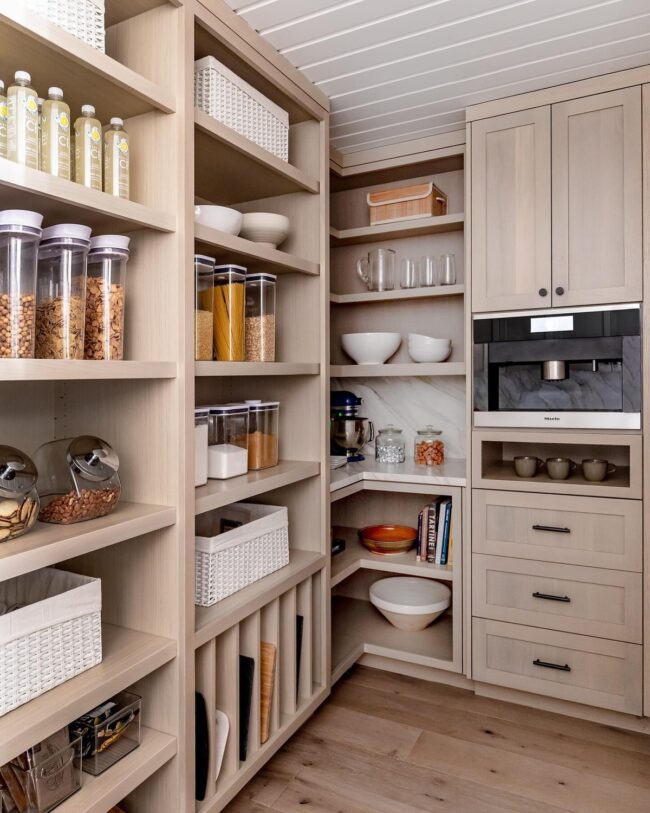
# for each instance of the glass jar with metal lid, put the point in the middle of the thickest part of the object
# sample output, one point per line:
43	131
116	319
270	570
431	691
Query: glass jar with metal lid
390	446
429	448
77	479
227	441
260	317
263	434
229	312
18	496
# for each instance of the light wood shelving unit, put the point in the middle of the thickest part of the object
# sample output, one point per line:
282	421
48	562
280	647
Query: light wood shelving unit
398	294
388	370
397	231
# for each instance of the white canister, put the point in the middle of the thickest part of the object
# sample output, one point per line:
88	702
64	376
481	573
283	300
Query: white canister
201	446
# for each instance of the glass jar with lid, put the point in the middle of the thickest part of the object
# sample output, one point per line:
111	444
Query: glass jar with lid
227	441
263	434
260	317
77	479
105	297
18	496
229	312
61	291
429	448
203	306
390	446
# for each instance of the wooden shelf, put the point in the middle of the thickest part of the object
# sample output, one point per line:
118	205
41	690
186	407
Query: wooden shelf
230	168
99	793
358	628
223	492
60	200
246	252
118	10
390	370
400	294
356	557
395	231
212	621
60	370
128	657
46	545
239	368
503	475
55	57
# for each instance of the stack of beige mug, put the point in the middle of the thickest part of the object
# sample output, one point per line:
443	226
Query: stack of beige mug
560	468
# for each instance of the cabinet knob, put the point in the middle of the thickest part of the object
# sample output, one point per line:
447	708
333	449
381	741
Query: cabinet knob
559	290
543	292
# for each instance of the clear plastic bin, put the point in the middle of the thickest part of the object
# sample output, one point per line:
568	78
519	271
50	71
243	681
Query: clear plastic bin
228	441
229	312
203	307
105	297
201	432
260	317
263	434
54	777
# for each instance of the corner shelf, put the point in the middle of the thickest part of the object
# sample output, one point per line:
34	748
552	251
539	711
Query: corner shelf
394	231
239	250
223	492
389	370
45	545
64	370
252	368
127	657
400	294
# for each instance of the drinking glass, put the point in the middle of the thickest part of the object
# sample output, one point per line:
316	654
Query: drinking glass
408	273
428	271
448	269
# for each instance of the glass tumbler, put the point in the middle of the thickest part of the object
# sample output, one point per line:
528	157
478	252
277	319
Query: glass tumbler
408	273
428	271
448	269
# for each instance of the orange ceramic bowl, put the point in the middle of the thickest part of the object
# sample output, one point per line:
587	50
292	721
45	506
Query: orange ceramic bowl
388	540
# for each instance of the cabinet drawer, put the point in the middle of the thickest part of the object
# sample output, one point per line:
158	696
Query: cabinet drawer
584	600
606	674
571	530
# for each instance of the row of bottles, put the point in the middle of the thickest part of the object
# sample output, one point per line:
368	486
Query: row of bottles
37	133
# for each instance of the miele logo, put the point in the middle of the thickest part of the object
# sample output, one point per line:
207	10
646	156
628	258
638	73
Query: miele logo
551	418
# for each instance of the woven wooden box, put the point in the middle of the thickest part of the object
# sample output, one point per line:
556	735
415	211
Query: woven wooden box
406	203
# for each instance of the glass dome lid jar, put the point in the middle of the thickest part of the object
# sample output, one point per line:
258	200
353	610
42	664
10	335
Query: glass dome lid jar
78	479
18	496
390	446
429	448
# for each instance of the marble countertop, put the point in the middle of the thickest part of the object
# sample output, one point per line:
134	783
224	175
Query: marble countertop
450	473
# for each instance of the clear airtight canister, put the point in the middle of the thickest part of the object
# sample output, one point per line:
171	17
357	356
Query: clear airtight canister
105	297
229	310
228	441
201	417
56	155
204	306
263	434
61	292
260	317
20	233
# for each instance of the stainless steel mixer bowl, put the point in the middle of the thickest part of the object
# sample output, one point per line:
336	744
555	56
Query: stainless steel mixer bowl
352	433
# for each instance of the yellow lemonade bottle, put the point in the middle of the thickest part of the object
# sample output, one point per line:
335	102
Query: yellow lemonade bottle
22	121
116	160
55	135
88	149
3	120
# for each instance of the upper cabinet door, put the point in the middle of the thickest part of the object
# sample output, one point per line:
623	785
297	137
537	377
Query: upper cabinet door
597	248
511	211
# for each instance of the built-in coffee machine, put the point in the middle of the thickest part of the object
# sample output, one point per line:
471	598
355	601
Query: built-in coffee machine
567	368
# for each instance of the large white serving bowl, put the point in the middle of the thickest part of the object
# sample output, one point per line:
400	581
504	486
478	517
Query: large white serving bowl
265	227
427	348
371	348
410	603
219	217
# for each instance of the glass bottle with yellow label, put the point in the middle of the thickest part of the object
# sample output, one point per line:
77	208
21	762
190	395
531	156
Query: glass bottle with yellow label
55	135
3	120
116	160
22	121
88	149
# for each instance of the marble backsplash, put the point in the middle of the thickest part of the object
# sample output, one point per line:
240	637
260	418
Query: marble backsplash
411	404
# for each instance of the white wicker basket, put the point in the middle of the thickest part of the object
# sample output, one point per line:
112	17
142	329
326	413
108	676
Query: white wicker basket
227	562
83	19
223	95
53	635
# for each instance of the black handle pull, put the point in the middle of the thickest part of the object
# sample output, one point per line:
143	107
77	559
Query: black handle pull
559	290
551	597
543	292
547	665
551	529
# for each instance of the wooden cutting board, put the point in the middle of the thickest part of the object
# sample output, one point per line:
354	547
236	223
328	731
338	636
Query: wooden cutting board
268	657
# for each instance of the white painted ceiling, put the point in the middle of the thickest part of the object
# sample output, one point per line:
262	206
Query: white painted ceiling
401	69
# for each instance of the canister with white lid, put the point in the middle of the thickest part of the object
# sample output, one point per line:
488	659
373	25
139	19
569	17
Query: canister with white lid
203	307
263	434
201	416
20	233
229	312
227	441
105	297
260	317
61	291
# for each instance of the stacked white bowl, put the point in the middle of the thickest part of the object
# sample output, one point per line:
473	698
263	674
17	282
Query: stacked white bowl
427	348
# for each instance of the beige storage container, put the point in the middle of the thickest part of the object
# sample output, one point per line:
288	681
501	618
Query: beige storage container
406	203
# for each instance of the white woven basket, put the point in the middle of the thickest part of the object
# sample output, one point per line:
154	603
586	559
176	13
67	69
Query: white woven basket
223	95
83	19
227	562
54	634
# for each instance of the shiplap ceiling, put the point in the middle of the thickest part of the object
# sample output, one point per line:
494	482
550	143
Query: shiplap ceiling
401	69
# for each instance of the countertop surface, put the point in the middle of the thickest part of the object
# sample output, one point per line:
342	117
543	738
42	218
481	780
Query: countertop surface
450	473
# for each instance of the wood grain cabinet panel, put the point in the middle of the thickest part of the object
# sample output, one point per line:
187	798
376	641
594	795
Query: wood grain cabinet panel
584	600
597	242
569	530
606	674
511	211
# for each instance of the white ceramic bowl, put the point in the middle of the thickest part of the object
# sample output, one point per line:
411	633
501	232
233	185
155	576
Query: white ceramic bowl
265	227
428	349
219	217
370	348
410	603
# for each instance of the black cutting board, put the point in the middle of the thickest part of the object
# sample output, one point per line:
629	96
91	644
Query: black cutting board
246	675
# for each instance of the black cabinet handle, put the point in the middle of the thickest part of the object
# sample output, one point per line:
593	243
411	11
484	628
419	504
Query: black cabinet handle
551	529
543	292
547	665
551	597
559	290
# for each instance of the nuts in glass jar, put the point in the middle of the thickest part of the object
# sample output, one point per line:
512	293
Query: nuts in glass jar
429	449
88	503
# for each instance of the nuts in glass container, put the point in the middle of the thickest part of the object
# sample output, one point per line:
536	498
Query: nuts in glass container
65	509
17	314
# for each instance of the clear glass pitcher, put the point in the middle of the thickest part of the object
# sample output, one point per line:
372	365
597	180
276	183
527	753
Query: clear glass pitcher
377	270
